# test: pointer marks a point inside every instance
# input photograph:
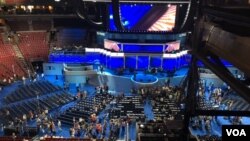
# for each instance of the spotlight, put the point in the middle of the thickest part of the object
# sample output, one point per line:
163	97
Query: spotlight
169	5
141	126
57	0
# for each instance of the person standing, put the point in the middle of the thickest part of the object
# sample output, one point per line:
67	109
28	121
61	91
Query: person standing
59	125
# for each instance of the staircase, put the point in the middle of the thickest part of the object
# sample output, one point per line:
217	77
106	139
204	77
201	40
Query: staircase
21	58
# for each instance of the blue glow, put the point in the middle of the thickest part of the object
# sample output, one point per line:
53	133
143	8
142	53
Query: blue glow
125	23
155	62
226	63
130	62
115	62
169	64
111	17
142	79
118	62
74	58
143	62
133	48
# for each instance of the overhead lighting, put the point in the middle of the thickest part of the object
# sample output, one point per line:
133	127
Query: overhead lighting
57	0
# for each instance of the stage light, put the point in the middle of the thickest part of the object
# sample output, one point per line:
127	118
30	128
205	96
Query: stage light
110	16
57	0
180	5
141	126
169	5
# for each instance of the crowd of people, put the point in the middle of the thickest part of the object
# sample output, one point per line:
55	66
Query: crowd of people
97	127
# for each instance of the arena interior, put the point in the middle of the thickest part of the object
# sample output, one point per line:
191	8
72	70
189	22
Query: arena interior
123	70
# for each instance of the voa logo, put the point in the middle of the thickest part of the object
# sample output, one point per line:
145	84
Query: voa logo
236	132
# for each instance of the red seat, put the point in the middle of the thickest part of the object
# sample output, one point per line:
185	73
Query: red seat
33	45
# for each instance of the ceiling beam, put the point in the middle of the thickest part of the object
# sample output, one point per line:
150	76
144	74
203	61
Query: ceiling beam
240	88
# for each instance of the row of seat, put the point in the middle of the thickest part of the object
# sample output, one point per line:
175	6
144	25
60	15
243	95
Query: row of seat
48	102
166	107
32	90
131	106
83	109
33	45
8	61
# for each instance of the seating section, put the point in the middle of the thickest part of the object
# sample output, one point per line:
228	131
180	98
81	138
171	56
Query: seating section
224	99
166	109
8	62
239	104
30	91
130	105
35	106
33	45
84	108
203	104
166	104
4	72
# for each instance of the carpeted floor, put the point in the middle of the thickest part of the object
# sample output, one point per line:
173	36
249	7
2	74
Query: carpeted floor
59	81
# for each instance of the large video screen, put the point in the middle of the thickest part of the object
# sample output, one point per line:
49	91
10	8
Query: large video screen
145	17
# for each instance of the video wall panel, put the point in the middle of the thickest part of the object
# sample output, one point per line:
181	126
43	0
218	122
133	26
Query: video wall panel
169	64
115	62
143	62
144	17
156	61
130	62
145	48
141	47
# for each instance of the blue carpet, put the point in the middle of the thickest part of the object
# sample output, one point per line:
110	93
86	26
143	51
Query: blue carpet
132	131
148	110
59	81
8	89
55	80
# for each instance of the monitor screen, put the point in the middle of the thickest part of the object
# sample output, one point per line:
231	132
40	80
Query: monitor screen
145	17
111	45
172	46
